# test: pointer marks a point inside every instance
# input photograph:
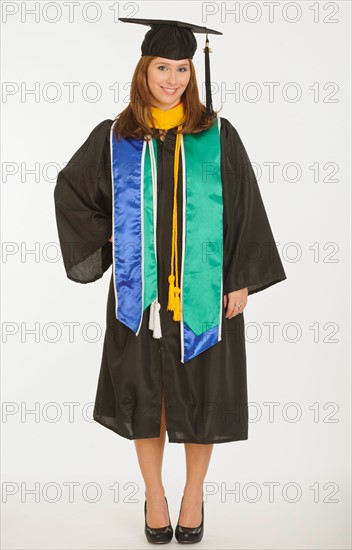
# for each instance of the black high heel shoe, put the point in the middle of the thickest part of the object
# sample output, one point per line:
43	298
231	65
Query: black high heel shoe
157	535
189	534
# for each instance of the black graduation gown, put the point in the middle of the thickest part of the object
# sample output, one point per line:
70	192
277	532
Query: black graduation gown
205	398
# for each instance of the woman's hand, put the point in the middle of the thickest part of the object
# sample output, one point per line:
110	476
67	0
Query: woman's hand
110	240
232	298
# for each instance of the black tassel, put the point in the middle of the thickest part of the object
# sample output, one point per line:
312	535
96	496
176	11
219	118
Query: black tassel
209	103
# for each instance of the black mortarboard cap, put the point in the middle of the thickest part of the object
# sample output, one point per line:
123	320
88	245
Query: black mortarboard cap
175	40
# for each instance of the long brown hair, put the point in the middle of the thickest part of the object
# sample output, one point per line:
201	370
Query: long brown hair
133	121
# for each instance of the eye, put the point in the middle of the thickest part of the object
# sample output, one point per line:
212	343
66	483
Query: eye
182	69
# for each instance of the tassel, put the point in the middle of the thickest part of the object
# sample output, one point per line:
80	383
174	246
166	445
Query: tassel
177	310
151	316
171	303
157	325
209	103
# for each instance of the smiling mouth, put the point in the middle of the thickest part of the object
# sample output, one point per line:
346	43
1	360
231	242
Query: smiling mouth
169	90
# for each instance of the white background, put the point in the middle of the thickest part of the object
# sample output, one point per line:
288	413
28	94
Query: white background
307	363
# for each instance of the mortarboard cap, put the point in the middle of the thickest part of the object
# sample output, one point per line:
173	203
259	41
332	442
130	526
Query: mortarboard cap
175	40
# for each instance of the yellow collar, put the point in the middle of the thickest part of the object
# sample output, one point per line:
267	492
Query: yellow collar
167	119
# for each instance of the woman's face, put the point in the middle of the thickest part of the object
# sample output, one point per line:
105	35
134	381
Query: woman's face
167	80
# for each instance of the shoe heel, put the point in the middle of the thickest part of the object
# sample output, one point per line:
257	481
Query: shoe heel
157	535
189	535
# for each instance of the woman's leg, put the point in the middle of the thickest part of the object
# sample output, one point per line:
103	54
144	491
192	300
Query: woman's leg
197	461
150	457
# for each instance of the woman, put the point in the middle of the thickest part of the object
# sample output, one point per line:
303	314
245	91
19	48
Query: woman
158	374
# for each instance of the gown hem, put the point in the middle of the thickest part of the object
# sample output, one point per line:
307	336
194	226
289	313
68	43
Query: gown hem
99	420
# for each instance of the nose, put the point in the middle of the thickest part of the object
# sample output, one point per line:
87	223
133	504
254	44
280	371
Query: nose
171	78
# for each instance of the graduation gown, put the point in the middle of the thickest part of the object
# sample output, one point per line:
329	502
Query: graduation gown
206	398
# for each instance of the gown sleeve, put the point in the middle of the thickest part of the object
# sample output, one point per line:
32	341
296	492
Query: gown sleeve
83	208
251	258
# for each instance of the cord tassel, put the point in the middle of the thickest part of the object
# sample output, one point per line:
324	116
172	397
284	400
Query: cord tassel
154	319
177	309
157	325
171	303
151	316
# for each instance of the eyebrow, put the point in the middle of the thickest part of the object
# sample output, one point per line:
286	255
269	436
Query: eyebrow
164	63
